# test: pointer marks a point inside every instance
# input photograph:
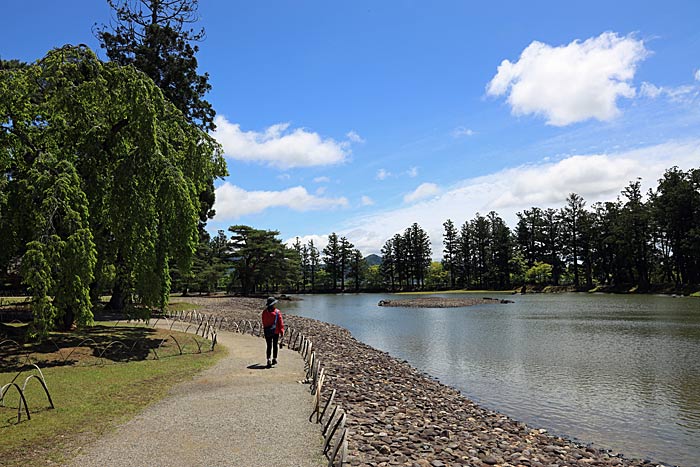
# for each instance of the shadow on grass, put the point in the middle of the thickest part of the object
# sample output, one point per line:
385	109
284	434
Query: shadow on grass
89	346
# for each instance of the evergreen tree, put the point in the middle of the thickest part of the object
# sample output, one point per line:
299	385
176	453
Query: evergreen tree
332	259
305	264
636	219
676	209
358	266
529	234
552	243
449	258
481	231
387	268
299	259
418	252
345	253
258	257
501	253
314	261
154	36
465	255
571	216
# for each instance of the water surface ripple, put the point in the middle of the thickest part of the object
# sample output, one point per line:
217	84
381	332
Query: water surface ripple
622	372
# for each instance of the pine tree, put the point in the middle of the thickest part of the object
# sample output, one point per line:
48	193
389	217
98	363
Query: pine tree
388	266
153	36
449	259
345	253
571	215
332	259
314	261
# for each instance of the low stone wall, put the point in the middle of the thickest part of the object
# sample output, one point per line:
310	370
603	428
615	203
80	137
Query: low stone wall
397	415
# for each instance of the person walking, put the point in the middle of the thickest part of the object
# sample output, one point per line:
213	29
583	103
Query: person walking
273	326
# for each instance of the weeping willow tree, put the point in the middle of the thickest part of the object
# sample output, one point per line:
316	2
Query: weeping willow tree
100	178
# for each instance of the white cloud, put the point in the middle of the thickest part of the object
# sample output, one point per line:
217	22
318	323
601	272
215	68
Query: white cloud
321	190
366	201
650	90
697	75
461	131
233	202
412	172
685	93
278	146
354	137
382	174
320	241
571	83
322	180
424	190
284	177
596	177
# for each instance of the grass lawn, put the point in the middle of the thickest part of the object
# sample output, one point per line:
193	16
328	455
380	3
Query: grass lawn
91	394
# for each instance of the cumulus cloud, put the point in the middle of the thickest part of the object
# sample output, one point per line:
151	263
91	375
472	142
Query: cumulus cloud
382	174
596	177
233	202
279	146
697	75
412	172
462	131
571	83
424	190
322	180
366	201
354	137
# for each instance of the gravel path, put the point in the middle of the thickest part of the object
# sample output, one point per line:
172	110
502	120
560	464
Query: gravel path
230	415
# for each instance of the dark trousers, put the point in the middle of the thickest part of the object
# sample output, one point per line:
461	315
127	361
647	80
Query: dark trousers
272	344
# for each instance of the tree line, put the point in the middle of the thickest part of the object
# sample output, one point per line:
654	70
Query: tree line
635	242
632	243
253	261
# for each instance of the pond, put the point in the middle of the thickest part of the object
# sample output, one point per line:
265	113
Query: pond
619	371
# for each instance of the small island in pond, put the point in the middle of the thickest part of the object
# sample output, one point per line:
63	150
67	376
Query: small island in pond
440	302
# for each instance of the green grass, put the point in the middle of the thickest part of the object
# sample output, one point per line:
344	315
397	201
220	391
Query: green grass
13	300
90	398
695	294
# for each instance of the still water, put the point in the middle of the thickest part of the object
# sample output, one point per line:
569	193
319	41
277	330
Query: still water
621	372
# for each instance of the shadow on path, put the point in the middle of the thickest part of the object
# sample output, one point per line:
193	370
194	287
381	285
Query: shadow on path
257	366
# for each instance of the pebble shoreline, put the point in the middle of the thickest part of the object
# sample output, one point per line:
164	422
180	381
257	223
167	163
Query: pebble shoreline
398	416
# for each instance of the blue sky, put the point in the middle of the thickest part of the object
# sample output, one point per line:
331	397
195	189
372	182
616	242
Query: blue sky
363	117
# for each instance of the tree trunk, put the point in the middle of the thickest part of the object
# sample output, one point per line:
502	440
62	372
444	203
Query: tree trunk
118	300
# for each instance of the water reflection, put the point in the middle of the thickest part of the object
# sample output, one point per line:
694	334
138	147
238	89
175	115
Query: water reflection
620	371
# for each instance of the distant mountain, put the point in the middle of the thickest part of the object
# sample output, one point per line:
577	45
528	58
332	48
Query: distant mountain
373	260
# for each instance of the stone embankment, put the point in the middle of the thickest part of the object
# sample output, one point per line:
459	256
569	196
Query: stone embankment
441	302
398	416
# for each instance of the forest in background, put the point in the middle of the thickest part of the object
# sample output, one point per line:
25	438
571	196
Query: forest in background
637	243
